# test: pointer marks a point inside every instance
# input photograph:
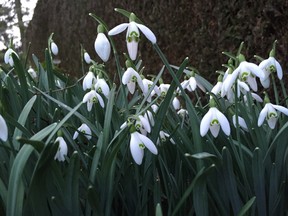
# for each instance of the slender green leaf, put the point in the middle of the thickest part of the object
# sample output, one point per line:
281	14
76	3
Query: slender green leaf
246	207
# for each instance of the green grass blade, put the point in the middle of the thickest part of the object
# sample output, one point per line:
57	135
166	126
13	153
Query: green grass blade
16	186
246	207
22	120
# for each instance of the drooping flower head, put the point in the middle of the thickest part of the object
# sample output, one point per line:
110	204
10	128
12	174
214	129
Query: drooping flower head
138	142
131	77
270	66
102	45
3	129
54	48
191	83
214	120
133	35
62	149
8	57
88	81
269	112
92	97
87	57
84	129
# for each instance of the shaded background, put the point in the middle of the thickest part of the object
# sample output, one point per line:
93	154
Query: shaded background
200	30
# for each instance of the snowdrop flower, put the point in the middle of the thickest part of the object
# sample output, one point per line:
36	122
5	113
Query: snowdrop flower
270	114
154	108
269	66
247	72
130	77
164	89
32	73
3	129
88	81
254	96
85	130
62	149
101	86
147	85
142	124
217	88
8	57
241	122
54	48
182	113
191	84
92	97
87	57
102	44
176	103
242	87
228	83
137	144
133	35
213	120
163	138
149	116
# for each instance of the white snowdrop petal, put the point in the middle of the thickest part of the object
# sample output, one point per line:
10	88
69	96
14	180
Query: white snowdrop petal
136	152
3	129
145	123
148	143
118	29
223	122
102	47
132	48
214	129
147	32
262	115
279	70
281	109
54	48
205	123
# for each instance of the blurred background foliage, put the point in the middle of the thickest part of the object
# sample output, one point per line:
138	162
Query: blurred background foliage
200	30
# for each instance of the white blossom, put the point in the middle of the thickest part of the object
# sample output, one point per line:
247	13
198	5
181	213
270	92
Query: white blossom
142	124
213	120
269	66
102	46
8	57
62	149
137	144
163	137
3	129
54	48
101	86
270	114
241	122
88	81
85	130
87	58
92	97
133	35
130	77
32	73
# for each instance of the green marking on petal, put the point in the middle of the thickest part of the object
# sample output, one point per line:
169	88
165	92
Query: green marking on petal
244	76
272	69
134	79
272	115
214	122
141	145
94	99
